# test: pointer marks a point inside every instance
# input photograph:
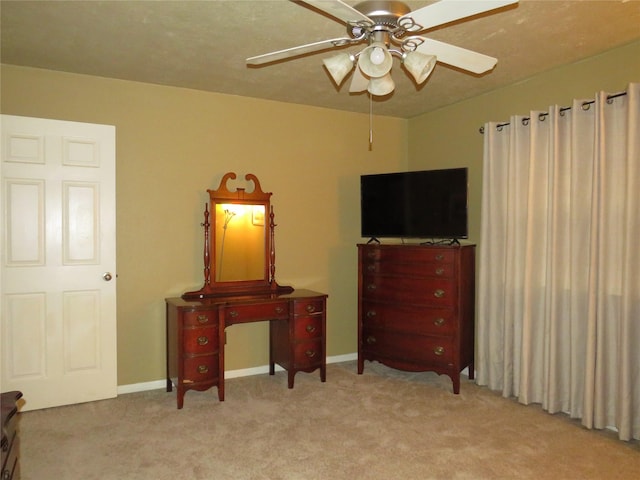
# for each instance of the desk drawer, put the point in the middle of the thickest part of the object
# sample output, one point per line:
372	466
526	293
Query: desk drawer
200	368
308	327
200	340
256	312
308	354
308	307
200	318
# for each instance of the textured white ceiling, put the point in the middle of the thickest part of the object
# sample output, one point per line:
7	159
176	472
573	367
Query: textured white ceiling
203	45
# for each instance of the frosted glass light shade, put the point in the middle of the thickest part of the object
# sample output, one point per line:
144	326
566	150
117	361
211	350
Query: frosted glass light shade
419	65
375	61
339	66
359	83
381	86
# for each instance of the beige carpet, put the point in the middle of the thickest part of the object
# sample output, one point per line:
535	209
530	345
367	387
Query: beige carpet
384	424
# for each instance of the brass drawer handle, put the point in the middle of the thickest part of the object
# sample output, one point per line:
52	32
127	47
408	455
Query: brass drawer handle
279	309
233	313
371	267
371	254
311	308
371	313
310	353
438	322
371	287
439	271
371	340
438	350
203	319
310	328
203	369
439	257
438	293
203	340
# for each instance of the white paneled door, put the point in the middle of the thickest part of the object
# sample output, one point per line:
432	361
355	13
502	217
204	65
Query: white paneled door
57	277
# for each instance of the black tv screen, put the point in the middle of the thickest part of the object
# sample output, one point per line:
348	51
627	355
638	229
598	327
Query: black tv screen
429	204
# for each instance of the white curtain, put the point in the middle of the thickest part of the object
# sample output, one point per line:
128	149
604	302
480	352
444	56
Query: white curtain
558	319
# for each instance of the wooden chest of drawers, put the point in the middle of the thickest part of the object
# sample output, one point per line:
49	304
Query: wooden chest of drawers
195	336
416	307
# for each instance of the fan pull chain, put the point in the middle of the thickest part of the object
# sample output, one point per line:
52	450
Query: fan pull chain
370	122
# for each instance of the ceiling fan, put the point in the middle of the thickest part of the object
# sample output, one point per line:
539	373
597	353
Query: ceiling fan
390	28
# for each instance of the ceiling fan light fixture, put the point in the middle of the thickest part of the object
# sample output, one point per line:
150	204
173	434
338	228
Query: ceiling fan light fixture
339	66
381	86
419	65
375	61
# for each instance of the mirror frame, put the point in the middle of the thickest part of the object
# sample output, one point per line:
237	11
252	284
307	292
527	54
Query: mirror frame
223	195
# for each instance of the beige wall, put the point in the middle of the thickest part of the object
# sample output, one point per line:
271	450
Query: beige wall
173	144
449	137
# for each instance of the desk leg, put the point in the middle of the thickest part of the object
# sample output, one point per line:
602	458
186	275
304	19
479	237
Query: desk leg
222	340
180	397
272	365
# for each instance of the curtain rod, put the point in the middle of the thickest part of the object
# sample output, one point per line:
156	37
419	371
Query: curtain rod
585	106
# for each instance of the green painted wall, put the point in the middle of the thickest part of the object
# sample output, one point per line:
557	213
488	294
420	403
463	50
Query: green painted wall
172	145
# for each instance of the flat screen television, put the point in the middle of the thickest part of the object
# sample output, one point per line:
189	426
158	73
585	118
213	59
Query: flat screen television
428	204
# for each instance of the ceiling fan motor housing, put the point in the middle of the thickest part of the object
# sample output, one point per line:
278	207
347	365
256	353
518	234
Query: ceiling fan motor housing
384	14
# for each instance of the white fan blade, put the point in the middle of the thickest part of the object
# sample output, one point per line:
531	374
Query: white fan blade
456	56
446	11
339	10
359	83
300	50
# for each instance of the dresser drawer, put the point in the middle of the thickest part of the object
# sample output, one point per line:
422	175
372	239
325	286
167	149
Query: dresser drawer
200	340
256	312
409	318
308	327
407	252
411	348
307	354
200	318
425	291
414	269
308	307
200	368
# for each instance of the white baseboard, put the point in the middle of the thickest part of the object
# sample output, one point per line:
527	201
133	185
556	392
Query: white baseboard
243	372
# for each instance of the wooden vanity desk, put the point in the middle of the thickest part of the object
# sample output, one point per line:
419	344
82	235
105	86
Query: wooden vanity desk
240	287
195	336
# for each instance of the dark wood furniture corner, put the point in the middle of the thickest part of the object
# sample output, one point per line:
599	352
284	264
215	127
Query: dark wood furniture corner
10	439
416	307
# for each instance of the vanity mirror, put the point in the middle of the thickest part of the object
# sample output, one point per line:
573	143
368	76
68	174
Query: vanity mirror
239	248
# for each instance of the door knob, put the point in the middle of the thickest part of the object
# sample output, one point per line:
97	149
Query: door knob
107	276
